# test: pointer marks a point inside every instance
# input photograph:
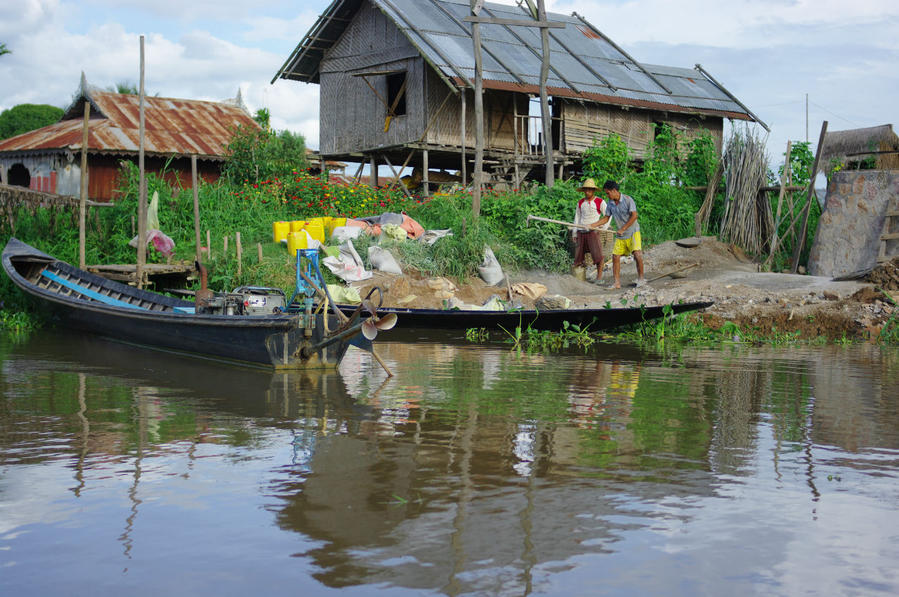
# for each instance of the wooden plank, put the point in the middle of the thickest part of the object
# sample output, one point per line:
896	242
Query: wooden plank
542	23
808	206
87	291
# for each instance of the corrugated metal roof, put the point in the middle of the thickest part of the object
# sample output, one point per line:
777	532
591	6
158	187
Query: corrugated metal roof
172	126
585	63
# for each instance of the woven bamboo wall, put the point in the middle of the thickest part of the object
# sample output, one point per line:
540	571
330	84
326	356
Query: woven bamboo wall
585	122
447	127
351	115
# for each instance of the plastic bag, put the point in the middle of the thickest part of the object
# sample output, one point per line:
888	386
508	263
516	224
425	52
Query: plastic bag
348	266
344	295
490	269
381	259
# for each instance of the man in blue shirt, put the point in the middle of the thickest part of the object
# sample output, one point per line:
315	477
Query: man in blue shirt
623	210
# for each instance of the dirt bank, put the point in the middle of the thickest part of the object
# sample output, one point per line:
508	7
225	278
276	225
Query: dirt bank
813	306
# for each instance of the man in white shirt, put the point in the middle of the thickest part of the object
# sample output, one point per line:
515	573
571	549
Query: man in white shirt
590	211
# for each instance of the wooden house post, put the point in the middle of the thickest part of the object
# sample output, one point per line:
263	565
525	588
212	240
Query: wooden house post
544	100
463	93
476	6
424	173
373	176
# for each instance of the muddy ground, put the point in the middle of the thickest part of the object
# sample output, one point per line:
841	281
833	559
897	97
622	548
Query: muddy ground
813	306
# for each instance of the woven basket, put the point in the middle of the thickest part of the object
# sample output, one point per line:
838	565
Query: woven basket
607	241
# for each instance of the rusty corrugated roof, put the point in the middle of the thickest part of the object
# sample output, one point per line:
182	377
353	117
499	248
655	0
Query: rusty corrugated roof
172	126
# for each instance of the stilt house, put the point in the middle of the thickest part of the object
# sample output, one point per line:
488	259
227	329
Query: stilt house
47	159
396	81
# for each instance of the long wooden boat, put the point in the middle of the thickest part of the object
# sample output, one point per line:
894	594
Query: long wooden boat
553	320
90	303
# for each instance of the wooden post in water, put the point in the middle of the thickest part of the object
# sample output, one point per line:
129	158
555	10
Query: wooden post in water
142	191
82	206
193	175
239	251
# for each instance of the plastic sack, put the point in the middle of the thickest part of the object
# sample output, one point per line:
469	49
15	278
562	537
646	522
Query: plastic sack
490	269
348	266
381	259
412	228
393	232
341	234
344	295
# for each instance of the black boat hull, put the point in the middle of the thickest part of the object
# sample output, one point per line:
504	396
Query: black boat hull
278	340
553	320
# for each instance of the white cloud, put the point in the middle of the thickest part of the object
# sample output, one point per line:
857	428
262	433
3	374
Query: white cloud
769	53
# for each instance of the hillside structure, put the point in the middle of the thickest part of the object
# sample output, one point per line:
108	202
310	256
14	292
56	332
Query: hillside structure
48	159
396	80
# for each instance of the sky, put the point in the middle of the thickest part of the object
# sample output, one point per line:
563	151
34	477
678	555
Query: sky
768	53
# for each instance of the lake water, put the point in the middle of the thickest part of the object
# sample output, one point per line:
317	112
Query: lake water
472	471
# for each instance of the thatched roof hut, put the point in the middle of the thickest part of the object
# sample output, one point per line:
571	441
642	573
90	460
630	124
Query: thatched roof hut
851	148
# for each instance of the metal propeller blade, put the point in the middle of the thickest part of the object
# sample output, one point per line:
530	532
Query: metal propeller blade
386	322
369	329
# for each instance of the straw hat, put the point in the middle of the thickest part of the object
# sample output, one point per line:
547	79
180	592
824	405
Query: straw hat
588	184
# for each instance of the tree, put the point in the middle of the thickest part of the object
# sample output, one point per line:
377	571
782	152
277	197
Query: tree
125	88
4	49
256	154
27	117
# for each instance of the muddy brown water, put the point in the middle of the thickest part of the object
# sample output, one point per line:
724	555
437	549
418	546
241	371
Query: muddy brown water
473	471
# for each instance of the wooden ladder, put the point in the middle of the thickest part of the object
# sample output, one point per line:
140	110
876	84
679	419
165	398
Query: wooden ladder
887	234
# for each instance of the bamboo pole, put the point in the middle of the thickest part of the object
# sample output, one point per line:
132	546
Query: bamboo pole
239	252
259	251
142	192
800	242
82	208
780	198
225	248
193	175
463	93
208	245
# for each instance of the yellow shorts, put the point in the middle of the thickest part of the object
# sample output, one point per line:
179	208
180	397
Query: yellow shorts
626	246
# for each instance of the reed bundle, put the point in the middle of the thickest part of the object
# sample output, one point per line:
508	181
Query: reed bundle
747	220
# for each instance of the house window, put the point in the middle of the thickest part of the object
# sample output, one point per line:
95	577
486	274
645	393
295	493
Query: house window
19	176
396	93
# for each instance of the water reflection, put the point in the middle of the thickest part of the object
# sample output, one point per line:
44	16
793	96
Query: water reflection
473	470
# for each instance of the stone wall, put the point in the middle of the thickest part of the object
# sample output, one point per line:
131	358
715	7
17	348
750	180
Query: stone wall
848	235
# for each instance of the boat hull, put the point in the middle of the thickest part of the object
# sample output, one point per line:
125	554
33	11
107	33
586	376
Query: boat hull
280	341
552	320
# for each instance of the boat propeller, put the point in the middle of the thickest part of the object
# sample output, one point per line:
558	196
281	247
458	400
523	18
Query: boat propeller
374	324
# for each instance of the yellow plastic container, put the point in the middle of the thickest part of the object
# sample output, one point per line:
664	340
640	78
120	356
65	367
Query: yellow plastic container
297	225
336	223
316	229
296	240
280	230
